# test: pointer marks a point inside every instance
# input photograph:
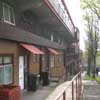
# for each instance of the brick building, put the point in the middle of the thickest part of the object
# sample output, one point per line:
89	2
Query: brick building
37	36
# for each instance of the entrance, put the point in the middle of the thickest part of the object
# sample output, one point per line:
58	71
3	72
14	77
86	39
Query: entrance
21	72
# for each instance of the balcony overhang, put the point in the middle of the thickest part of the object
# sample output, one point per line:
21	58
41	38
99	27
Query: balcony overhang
12	33
46	14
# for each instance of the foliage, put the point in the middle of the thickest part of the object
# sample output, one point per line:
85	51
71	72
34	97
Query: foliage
98	54
91	17
97	79
92	5
88	78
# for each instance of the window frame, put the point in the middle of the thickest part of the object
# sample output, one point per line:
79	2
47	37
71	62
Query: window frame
36	58
5	73
9	11
4	65
52	61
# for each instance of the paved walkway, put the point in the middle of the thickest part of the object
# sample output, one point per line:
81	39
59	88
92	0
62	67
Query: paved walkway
40	94
49	92
59	90
91	90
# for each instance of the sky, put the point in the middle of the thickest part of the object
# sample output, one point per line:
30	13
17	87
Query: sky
76	15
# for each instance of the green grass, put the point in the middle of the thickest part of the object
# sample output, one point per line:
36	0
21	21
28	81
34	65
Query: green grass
97	79
88	78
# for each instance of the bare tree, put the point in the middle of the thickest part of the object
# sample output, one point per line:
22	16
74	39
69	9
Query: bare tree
93	40
92	16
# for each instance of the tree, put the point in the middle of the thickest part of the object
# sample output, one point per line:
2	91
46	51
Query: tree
91	16
93	39
93	5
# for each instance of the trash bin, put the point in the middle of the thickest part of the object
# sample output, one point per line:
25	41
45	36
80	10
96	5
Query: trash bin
33	82
45	78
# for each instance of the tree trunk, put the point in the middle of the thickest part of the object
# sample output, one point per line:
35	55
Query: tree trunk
94	66
89	64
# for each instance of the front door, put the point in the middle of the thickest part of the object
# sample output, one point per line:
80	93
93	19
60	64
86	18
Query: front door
21	72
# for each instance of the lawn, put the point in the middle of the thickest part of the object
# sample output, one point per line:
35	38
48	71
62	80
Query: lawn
97	78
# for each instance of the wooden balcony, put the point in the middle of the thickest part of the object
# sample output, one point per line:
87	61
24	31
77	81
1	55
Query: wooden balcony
59	9
49	13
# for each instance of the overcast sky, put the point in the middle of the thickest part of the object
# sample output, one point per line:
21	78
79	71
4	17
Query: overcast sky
76	15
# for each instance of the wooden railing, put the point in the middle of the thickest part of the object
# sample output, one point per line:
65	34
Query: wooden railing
71	90
58	7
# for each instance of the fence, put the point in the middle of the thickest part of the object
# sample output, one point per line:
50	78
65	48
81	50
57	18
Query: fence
71	90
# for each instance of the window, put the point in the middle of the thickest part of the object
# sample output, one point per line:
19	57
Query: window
61	59
8	14
36	58
52	61
1	10
57	60
7	59
52	38
6	69
44	63
0	60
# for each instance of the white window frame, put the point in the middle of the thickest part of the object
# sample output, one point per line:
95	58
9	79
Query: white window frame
4	74
52	61
11	66
9	7
1	66
4	69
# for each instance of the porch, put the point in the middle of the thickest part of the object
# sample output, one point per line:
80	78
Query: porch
69	90
40	94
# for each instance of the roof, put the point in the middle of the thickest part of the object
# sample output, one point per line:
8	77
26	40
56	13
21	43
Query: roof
10	32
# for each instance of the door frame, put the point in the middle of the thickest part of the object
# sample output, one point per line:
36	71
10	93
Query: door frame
23	70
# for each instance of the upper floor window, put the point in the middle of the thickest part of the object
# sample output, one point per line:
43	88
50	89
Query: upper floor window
52	38
8	14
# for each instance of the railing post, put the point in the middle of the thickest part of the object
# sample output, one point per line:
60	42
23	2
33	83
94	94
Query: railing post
81	79
64	96
76	88
72	90
79	86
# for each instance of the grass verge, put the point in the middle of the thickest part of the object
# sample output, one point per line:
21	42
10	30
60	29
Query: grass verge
97	78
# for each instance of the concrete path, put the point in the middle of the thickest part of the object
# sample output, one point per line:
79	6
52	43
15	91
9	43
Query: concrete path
40	94
91	90
57	93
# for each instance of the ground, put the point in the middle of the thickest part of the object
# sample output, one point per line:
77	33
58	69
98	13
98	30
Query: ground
41	94
91	90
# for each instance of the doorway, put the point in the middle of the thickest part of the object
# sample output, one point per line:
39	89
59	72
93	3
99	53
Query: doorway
21	72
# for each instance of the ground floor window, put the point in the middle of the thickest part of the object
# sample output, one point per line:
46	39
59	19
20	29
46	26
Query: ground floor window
59	60
6	69
52	60
44	63
36	58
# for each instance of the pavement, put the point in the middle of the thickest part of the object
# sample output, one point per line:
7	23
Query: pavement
40	94
49	92
58	91
91	90
54	90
